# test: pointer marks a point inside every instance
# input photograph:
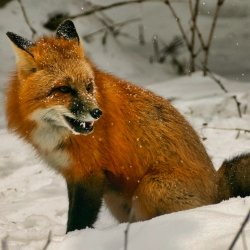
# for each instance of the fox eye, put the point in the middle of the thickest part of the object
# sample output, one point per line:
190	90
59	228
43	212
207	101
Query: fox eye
64	89
33	70
90	87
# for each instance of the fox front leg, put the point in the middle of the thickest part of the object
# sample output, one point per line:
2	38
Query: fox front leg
85	200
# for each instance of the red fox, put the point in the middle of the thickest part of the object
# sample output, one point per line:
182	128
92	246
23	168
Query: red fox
110	138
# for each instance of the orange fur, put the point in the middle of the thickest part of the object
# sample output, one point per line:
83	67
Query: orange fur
142	150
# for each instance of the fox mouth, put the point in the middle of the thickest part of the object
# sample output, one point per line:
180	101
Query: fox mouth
82	127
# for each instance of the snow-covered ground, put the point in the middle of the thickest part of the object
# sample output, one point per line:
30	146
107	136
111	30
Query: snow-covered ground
33	199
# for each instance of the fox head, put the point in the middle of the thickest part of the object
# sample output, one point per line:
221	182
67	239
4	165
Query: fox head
56	84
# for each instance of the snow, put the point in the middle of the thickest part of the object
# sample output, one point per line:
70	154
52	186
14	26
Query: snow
193	229
33	198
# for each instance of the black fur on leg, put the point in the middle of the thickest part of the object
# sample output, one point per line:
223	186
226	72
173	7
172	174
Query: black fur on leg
85	199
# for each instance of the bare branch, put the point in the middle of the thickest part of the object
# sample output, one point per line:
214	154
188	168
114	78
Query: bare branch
196	26
126	236
87	37
190	4
194	18
130	219
92	8
203	45
183	33
244	241
194	14
113	26
239	231
109	26
141	34
229	129
98	8
4	243
104	37
211	33
237	135
212	76
48	241
108	23
198	51
33	31
238	104
104	20
156	47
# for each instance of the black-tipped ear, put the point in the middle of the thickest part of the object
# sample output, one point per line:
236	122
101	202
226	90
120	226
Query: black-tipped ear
20	42
67	31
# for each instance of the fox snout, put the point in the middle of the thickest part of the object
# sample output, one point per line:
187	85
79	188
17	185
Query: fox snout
85	109
84	114
79	117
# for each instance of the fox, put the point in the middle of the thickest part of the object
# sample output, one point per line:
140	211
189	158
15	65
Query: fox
110	139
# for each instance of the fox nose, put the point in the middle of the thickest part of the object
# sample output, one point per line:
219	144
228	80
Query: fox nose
96	113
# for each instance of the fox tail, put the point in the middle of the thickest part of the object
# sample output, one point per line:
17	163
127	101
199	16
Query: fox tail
234	177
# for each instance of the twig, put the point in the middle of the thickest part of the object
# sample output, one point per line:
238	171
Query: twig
179	65
130	219
48	241
194	28
230	129
33	31
167	2
208	45
88	36
212	76
244	242
238	104
108	23
104	37
237	135
98	8
115	25
141	35
198	51
156	47
4	243
203	45
195	25
239	231
173	46
194	15
190	4
126	236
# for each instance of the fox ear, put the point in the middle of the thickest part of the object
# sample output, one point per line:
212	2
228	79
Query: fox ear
67	31
20	42
24	57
